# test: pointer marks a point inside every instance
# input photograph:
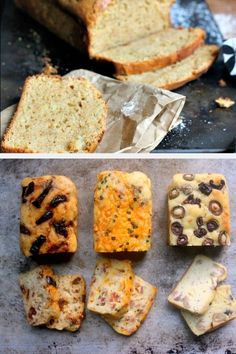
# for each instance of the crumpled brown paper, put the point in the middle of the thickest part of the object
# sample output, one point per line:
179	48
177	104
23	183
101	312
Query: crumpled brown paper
139	115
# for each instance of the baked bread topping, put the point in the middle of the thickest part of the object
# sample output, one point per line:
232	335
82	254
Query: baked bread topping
40	295
111	287
71	301
122	212
199	210
48	217
142	299
220	312
196	289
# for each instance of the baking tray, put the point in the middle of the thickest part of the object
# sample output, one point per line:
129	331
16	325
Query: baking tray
164	331
205	127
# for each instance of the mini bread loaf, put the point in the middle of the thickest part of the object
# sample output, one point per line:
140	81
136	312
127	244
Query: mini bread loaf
71	300
199	210
56	115
40	295
142	299
48	217
100	24
220	312
155	51
122	212
173	76
111	287
196	289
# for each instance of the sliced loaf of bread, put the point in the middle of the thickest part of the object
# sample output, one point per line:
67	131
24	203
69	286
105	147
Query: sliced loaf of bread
71	293
154	51
55	115
177	75
40	295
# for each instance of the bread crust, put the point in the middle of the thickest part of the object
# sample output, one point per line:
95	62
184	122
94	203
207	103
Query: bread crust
195	75
156	62
9	149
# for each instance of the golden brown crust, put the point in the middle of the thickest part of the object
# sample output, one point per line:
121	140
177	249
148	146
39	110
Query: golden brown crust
157	62
9	149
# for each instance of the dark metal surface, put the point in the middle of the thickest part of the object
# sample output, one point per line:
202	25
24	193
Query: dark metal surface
205	127
164	331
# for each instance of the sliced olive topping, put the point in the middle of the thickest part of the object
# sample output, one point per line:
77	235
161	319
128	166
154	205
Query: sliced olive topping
38	201
174	193
24	230
215	207
182	240
60	228
34	250
51	281
58	200
177	228
208	242
187	189
45	217
26	191
212	225
217	186
200	232
188	177
199	221
178	212
222	238
192	200
205	188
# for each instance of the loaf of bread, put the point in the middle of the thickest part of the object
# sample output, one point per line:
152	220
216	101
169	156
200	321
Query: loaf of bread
111	287
180	73
40	295
56	115
196	289
48	220
220	312
99	24
122	212
199	210
155	51
71	301
142	299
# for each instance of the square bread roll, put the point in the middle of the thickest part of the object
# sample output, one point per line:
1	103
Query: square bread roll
199	212
111	287
122	212
48	216
197	287
142	299
220	312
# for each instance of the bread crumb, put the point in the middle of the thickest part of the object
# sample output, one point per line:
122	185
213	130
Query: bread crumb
222	83
48	68
224	102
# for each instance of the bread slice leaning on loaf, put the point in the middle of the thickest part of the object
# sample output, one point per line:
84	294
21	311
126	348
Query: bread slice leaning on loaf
179	74
154	51
56	115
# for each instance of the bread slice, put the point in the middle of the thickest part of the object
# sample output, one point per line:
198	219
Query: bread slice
177	75
197	287
113	23
220	312
111	287
40	295
71	292
142	299
155	51
55	115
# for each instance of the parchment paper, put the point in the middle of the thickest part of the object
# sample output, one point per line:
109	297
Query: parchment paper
164	331
139	115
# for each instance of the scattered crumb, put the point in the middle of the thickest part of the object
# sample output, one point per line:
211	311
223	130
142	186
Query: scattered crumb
224	102
222	83
48	68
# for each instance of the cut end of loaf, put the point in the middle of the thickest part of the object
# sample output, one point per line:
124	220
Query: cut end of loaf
56	115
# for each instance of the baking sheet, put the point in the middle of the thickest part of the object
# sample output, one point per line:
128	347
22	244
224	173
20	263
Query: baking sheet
205	127
164	331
